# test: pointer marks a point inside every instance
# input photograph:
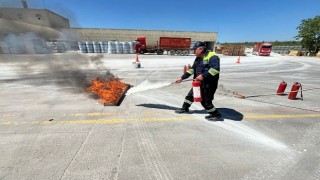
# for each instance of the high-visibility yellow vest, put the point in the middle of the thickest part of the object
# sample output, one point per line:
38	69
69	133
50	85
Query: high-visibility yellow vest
206	58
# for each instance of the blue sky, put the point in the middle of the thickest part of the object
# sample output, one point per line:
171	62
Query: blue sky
234	20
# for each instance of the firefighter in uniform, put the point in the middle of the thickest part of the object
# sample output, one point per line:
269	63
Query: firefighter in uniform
206	68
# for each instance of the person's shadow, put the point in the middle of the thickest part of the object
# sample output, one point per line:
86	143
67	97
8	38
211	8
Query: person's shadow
226	113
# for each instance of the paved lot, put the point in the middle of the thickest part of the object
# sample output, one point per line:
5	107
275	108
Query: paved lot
51	129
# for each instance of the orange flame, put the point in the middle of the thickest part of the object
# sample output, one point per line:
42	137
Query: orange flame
108	92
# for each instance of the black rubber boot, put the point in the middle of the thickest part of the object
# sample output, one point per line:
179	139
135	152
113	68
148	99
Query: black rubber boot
215	116
182	110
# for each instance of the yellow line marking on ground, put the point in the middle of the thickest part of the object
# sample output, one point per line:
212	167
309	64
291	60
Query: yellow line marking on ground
150	119
100	121
7	115
93	114
115	121
105	113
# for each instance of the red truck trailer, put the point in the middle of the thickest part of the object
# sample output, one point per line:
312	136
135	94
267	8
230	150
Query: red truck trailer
262	49
174	45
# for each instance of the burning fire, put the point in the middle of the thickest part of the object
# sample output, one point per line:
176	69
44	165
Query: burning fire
108	92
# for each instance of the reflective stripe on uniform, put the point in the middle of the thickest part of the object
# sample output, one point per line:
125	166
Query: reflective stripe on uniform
213	71
187	101
211	110
190	71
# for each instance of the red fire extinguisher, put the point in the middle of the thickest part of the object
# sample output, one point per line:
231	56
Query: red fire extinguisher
196	91
281	88
294	91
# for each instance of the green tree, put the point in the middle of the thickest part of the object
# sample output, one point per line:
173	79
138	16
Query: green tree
309	34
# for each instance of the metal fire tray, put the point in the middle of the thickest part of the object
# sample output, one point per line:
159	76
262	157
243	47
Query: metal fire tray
120	98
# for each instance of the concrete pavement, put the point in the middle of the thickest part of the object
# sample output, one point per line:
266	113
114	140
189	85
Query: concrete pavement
51	129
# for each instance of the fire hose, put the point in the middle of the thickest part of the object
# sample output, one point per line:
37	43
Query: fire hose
259	95
183	81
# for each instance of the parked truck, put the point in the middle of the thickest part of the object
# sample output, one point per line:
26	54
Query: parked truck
262	49
173	45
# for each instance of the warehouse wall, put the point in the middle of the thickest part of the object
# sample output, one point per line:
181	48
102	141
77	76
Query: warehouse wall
38	17
57	21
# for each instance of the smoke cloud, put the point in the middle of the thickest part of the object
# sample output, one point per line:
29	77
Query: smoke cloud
71	72
27	43
67	13
77	71
30	43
